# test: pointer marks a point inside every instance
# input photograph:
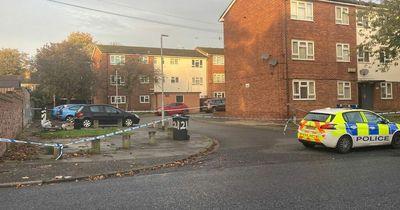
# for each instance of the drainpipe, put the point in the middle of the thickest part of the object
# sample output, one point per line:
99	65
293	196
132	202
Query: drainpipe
286	61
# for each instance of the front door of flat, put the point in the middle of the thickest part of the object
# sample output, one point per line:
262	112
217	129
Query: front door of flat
366	91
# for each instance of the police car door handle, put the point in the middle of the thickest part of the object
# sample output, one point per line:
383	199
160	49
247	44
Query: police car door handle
372	128
353	127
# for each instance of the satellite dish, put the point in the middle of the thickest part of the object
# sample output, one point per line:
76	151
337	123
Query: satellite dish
273	62
264	56
364	72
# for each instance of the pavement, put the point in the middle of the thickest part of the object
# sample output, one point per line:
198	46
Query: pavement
113	161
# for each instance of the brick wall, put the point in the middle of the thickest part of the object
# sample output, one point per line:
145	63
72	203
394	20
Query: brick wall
256	89
387	104
190	99
11	115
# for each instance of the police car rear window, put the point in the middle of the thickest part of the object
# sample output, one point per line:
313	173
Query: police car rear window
319	117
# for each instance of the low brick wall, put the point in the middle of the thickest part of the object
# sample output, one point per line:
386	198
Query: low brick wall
13	107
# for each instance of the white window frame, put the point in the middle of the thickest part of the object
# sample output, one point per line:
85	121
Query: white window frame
219	78
197	63
117	59
342	90
144	99
219	94
174	80
218	60
121	99
364	55
144	79
295	5
113	80
340	53
197	80
311	94
340	17
386	60
183	99
174	61
144	59
386	90
363	21
298	44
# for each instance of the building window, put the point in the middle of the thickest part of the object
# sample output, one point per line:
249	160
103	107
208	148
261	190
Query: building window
301	10
219	78
155	60
174	61
302	50
114	79
303	90
174	79
342	15
363	54
145	99
118	99
362	20
344	90
144	79
219	94
218	60
384	57
197	63
179	99
144	59
197	80
386	90
117	59
342	52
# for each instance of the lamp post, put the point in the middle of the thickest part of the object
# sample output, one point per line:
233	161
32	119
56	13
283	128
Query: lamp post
162	82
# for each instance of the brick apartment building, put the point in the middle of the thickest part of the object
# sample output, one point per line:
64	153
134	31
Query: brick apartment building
215	71
184	71
109	62
285	57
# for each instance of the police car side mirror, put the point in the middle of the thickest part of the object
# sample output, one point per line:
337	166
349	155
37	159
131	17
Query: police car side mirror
384	121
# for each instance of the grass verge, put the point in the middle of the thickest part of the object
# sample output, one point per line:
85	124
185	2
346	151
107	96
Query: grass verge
62	134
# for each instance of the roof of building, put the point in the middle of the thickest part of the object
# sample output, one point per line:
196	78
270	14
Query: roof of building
148	51
10	81
354	2
211	51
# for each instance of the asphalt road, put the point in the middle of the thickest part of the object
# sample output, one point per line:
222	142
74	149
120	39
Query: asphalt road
254	168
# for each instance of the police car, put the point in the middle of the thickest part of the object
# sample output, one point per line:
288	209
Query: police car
345	129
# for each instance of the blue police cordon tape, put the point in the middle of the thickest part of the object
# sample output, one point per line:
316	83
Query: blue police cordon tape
386	113
60	147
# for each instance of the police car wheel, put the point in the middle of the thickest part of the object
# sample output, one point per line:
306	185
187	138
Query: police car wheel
308	144
344	145
396	141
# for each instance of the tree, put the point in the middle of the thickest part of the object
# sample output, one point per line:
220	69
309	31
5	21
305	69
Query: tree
64	69
84	40
13	62
133	71
384	34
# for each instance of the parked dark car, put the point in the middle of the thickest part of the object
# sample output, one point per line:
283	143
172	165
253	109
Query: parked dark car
214	104
174	108
105	114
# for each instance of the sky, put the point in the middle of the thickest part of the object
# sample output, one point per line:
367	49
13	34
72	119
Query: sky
28	25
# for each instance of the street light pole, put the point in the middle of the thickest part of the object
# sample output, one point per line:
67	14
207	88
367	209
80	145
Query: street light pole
162	82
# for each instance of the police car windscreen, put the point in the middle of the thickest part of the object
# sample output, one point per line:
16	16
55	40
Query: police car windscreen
318	117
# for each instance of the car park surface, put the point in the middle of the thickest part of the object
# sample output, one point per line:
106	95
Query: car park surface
344	129
105	114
